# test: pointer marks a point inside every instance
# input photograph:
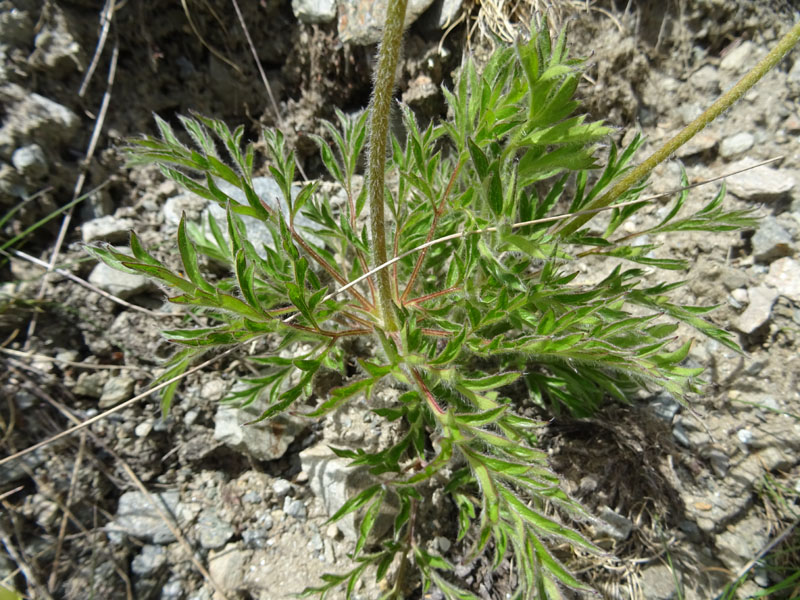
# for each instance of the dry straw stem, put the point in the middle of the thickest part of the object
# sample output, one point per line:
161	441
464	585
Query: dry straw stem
117	408
79	183
168	519
40	263
721	105
588	213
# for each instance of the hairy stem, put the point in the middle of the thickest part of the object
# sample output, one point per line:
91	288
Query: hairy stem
388	56
722	104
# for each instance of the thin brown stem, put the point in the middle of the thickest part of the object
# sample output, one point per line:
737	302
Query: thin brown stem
431	231
319	260
433	295
428	394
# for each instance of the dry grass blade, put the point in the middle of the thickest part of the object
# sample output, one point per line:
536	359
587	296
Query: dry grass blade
40	263
117	408
70	363
19	559
98	126
62	530
210	48
262	74
105	17
162	513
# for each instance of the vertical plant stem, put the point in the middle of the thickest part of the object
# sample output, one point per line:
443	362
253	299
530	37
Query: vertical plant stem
722	104
388	56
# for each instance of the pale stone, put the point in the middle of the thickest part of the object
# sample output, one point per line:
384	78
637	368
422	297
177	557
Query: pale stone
758	311
784	276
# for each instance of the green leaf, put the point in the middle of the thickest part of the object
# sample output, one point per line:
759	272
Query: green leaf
369	521
340	394
490	382
189	258
495	191
479	159
450	351
354	503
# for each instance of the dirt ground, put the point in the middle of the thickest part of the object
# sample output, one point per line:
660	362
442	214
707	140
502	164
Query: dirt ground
686	499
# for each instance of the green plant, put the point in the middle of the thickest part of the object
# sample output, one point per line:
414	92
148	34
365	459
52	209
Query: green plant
477	301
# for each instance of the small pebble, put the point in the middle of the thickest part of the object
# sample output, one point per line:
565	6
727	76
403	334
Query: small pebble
745	436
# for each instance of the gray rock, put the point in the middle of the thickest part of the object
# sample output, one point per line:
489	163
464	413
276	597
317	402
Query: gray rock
137	517
774	459
771	241
116	390
252	497
192	205
118	283
784	276
361	21
30	161
16	27
257	232
22	467
744	56
664	406
758	311
173	590
314	11
424	96
660	583
33	118
90	384
149	560
793	79
281	488
745	436
719	461
106	229
213	532
614	524
267	440
761	184
333	482
56	50
214	389
736	144
703	143
741	542
706	80
227	566
679	433
256	537
689	111
294	508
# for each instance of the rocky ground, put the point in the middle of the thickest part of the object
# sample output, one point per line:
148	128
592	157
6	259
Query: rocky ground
139	507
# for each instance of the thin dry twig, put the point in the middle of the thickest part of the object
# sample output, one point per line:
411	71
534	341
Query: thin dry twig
40	263
98	126
263	76
157	505
210	48
62	530
106	17
113	410
70	363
